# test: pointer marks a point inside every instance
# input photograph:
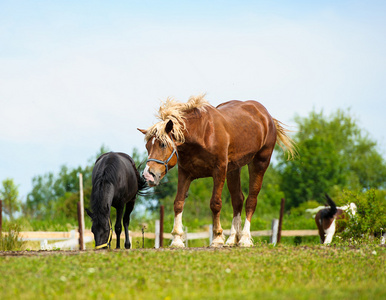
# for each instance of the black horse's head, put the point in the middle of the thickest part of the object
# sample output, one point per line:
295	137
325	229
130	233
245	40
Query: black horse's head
102	230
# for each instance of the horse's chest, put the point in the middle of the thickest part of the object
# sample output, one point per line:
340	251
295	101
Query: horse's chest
197	167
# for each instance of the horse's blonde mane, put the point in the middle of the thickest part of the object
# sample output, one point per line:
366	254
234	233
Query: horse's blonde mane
172	110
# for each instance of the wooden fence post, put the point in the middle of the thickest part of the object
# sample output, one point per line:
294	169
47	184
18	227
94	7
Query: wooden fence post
186	237
280	219
1	218
81	244
210	234
81	206
161	226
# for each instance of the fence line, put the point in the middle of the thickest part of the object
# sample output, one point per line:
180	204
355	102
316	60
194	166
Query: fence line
70	239
65	235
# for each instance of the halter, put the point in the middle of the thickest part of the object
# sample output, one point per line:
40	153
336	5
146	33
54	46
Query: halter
108	243
165	163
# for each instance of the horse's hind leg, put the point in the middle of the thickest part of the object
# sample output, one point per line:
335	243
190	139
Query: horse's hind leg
256	168
237	197
118	226
126	222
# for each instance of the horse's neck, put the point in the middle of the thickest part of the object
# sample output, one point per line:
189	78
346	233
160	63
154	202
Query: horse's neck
196	125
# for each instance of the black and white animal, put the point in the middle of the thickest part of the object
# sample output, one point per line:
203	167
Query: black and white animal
115	182
326	217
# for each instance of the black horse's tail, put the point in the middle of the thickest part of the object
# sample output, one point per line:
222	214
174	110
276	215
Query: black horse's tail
329	213
142	184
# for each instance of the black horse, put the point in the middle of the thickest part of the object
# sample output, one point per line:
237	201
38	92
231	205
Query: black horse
115	182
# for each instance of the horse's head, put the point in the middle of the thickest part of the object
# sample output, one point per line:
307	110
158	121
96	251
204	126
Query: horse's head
162	156
102	231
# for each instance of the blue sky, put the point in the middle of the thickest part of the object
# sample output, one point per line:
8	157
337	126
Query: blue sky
78	74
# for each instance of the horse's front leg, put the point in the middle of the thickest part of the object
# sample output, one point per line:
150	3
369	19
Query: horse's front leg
216	205
126	222
182	190
237	197
118	226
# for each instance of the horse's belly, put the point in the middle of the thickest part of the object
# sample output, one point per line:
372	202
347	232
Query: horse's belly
242	161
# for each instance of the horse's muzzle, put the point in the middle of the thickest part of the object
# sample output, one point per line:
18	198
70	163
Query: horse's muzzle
151	178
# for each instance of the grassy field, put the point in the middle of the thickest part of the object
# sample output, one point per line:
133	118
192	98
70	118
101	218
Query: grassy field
265	272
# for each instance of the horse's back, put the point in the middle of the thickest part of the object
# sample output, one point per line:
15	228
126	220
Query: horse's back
118	169
237	108
249	126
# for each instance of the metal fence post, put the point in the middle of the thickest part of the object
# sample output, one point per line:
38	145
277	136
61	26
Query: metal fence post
275	227
157	234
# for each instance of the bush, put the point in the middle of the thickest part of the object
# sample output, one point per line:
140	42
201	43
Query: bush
370	219
10	241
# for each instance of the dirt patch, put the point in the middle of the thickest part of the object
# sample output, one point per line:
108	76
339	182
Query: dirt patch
77	252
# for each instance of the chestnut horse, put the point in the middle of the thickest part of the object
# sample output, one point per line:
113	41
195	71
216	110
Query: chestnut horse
216	142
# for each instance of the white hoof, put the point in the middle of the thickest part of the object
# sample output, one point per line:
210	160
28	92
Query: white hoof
177	242
246	241
218	241
231	241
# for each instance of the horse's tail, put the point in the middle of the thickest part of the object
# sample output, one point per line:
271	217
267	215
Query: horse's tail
142	183
284	141
332	210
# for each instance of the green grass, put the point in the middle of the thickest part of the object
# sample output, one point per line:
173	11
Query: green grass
265	272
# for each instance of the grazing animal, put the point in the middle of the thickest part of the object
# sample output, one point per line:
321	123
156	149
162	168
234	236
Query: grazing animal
326	218
215	142
115	182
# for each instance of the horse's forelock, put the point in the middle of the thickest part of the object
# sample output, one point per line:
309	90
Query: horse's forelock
172	110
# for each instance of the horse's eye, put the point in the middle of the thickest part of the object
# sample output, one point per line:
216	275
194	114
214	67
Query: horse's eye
163	145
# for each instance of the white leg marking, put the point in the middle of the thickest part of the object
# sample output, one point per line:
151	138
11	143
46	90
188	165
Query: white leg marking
329	233
235	231
246	239
177	227
177	232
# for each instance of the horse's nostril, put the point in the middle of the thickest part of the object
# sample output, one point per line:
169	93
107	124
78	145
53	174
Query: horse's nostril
152	174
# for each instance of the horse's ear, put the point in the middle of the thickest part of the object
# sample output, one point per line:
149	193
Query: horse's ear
142	130
89	213
169	127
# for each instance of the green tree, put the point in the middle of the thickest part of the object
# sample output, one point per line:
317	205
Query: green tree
333	152
55	196
39	200
10	195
